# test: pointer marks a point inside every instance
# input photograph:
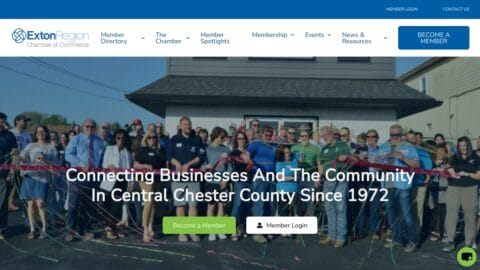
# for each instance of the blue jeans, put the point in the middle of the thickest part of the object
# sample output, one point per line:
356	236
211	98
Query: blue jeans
261	208
373	205
306	208
272	204
336	211
81	212
5	188
240	208
57	206
399	212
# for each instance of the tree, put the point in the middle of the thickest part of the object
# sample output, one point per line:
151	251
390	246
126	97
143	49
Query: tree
114	126
55	120
37	117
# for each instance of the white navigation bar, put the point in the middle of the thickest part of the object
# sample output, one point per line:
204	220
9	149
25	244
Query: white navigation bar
261	38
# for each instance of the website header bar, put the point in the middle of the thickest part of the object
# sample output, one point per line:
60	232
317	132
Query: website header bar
246	9
263	38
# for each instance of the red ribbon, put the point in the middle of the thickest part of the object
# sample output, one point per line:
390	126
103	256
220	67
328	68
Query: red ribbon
54	168
389	167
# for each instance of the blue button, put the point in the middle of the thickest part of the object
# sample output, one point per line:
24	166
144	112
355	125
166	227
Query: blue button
433	38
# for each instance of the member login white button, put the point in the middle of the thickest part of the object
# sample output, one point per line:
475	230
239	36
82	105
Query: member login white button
282	225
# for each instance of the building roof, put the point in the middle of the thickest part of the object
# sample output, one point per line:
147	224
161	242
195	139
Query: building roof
350	93
421	68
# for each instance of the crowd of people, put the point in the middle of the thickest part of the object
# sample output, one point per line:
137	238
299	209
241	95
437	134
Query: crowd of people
429	207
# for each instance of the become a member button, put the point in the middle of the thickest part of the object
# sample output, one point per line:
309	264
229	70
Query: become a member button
433	37
199	225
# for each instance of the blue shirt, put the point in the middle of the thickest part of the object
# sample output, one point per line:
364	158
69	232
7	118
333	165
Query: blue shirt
23	138
77	152
262	155
163	143
286	167
186	149
425	163
408	151
372	156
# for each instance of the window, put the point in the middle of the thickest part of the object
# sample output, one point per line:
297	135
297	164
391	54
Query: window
277	121
298	124
273	124
353	59
423	85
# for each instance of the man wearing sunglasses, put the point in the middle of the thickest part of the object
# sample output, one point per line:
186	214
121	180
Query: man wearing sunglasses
262	153
399	211
86	151
292	136
373	201
345	137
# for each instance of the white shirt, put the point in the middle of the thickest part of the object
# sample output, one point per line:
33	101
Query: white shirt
119	159
31	154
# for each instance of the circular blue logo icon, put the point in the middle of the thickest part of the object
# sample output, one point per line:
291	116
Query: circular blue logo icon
18	35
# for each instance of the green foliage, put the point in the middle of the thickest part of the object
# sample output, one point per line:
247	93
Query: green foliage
55	120
37	117
114	126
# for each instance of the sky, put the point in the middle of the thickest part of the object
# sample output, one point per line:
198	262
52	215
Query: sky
80	88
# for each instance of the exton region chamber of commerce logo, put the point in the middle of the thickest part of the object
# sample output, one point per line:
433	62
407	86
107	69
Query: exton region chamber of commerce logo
19	35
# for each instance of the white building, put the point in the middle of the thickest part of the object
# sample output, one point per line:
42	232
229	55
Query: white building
358	92
456	82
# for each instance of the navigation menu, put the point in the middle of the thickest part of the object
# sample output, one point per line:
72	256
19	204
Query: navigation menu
219	38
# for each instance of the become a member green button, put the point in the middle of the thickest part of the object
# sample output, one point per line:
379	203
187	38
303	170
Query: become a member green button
199	225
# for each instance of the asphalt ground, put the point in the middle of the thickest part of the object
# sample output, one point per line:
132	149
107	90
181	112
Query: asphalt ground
304	252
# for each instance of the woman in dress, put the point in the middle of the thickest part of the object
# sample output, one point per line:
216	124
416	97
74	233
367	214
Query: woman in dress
35	182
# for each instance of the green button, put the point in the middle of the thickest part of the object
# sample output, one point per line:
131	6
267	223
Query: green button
467	257
199	225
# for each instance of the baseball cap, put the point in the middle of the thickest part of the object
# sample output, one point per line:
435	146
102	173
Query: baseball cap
137	122
21	117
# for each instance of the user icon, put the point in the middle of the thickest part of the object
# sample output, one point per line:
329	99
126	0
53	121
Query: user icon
259	226
467	256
